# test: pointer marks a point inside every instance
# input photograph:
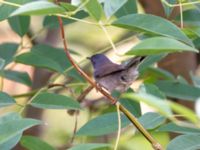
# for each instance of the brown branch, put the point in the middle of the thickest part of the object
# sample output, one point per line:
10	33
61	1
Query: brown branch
154	143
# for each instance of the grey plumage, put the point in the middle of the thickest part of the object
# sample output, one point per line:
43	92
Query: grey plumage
113	76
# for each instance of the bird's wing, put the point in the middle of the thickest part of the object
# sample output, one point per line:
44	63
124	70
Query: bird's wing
134	61
108	69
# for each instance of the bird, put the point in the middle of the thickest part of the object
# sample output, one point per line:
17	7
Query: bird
112	76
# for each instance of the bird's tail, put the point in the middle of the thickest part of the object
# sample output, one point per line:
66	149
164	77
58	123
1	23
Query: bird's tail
135	61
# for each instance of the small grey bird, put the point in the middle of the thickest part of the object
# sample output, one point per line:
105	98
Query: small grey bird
113	76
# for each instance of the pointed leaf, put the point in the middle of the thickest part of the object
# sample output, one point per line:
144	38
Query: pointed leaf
2	63
6	100
7	51
94	9
13	140
112	6
54	101
152	25
20	24
21	77
38	8
158	45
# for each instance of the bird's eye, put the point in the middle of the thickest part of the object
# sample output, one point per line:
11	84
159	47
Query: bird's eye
123	78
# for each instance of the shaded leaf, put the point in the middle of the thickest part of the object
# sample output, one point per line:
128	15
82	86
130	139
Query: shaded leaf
2	63
152	25
7	51
11	129
168	9
6	100
21	77
20	24
94	9
185	142
130	7
38	8
34	143
52	21
112	6
179	90
89	146
151	120
132	106
45	56
102	125
54	101
158	45
172	127
13	140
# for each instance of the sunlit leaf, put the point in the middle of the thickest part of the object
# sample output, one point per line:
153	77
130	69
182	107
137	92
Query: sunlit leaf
151	24
38	8
158	45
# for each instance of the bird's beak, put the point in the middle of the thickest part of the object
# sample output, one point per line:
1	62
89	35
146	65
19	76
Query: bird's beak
88	58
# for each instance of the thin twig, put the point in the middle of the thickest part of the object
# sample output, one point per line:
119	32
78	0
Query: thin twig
119	126
154	143
181	13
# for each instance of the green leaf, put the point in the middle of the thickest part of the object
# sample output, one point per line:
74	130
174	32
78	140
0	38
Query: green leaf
89	146
112	6
11	129
185	142
172	127
151	120
68	6
13	140
52	21
159	104
152	89
45	56
34	143
132	106
6	10
157	73
20	24
179	90
94	9
152	25
2	63
102	125
195	80
6	100
21	77
38	8
150	60
7	51
158	45
130	7
168	9
54	101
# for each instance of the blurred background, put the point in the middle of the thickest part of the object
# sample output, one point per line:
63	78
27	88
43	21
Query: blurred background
87	40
